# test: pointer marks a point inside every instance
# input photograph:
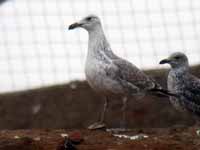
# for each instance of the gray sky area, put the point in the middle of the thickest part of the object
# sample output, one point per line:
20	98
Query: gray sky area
38	50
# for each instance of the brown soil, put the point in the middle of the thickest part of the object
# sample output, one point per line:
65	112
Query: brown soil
159	139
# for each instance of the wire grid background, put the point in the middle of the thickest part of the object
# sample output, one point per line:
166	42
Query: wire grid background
36	49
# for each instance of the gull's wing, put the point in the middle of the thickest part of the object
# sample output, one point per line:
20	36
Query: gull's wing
132	78
191	93
129	73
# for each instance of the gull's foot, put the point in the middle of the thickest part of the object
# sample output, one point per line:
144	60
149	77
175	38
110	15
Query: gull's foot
97	125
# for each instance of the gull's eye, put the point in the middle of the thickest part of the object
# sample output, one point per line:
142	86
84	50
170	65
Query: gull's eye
177	57
89	18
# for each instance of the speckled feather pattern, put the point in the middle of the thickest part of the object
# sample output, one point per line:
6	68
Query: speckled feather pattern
187	86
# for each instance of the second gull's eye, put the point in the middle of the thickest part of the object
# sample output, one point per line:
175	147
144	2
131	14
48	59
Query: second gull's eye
89	18
177	57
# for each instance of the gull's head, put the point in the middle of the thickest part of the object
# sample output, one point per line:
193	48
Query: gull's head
176	60
89	23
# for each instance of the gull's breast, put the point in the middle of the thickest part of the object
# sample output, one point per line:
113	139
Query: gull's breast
174	82
99	80
174	85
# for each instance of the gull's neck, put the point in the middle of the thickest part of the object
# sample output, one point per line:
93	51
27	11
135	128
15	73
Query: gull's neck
181	69
97	43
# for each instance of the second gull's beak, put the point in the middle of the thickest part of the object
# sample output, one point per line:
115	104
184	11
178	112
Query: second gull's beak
164	61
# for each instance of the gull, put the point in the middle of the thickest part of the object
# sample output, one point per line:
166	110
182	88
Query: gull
109	74
182	83
2	1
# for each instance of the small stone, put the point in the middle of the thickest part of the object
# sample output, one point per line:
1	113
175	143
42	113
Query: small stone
76	137
37	138
68	145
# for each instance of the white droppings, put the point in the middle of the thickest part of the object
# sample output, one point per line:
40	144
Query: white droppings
64	135
16	137
134	137
36	108
198	132
73	86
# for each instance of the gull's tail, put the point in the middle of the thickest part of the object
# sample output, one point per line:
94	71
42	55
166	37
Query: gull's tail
161	92
158	90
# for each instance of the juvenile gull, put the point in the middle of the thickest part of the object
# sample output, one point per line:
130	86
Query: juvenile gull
182	83
109	74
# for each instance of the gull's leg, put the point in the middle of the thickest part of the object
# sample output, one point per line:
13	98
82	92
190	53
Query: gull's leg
124	107
105	106
100	124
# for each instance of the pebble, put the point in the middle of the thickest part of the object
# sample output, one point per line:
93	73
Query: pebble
76	137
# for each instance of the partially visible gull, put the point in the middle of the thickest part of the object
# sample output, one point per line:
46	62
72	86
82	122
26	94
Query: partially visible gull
2	1
182	83
109	74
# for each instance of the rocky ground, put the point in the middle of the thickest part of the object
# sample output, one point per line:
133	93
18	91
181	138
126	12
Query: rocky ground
176	138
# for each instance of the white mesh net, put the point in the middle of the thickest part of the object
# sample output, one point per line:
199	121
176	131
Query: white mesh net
37	49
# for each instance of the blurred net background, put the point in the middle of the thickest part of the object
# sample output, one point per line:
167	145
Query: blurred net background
36	48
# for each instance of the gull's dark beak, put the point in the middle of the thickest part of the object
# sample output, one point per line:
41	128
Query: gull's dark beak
165	61
74	25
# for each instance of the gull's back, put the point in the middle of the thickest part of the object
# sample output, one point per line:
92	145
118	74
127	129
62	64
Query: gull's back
191	94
